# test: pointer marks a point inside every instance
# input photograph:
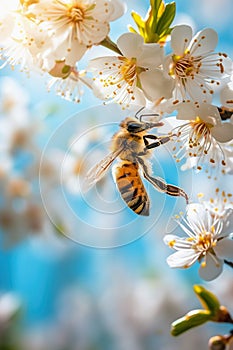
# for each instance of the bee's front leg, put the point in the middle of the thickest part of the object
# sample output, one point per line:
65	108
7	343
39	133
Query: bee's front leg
146	137
159	140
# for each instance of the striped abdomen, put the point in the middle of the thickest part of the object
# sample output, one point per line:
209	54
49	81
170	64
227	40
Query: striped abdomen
131	187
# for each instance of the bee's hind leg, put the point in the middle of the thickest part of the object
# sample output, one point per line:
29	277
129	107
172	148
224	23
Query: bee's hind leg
172	190
161	185
169	189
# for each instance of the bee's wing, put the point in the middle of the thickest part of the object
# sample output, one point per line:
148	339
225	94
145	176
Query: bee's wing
99	170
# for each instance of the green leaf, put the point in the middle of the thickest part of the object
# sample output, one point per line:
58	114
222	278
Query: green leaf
166	19
208	300
190	320
155	4
154	14
156	26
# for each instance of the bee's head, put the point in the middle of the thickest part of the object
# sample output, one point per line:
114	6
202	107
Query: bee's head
134	126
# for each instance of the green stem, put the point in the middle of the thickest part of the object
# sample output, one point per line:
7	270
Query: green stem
109	44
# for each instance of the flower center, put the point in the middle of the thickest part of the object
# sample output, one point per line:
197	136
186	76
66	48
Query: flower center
205	242
128	70
201	131
183	66
76	13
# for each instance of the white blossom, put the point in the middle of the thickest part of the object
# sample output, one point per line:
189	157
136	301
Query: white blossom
197	71
26	44
134	76
76	25
202	136
206	242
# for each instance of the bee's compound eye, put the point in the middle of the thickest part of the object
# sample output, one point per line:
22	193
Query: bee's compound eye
134	127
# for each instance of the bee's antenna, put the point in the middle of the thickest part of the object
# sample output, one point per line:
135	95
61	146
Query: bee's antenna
137	113
144	115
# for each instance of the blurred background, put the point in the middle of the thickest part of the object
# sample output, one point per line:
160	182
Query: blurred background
80	271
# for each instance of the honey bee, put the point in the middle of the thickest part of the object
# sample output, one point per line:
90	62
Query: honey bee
131	144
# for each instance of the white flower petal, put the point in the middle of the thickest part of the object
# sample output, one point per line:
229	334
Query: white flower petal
130	44
99	63
226	96
182	258
71	54
212	269
156	85
186	111
224	248
223	133
180	38
197	216
169	124
6	26
169	238
209	113
151	57
203	42
139	97
118	9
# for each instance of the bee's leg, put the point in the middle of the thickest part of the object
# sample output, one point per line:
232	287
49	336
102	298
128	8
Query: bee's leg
146	137
161	186
172	190
160	140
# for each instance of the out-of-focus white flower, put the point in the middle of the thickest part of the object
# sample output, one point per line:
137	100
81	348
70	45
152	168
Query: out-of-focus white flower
76	24
9	306
17	126
14	99
134	75
197	71
76	164
13	224
206	243
26	44
8	10
201	135
16	134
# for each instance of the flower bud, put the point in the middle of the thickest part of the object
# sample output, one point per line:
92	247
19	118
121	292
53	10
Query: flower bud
60	70
217	343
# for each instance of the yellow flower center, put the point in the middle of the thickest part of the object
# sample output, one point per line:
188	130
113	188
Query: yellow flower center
76	13
205	241
201	131
184	66
128	70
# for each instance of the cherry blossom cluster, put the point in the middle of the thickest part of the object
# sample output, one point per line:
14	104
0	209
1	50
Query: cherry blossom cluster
185	77
52	37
